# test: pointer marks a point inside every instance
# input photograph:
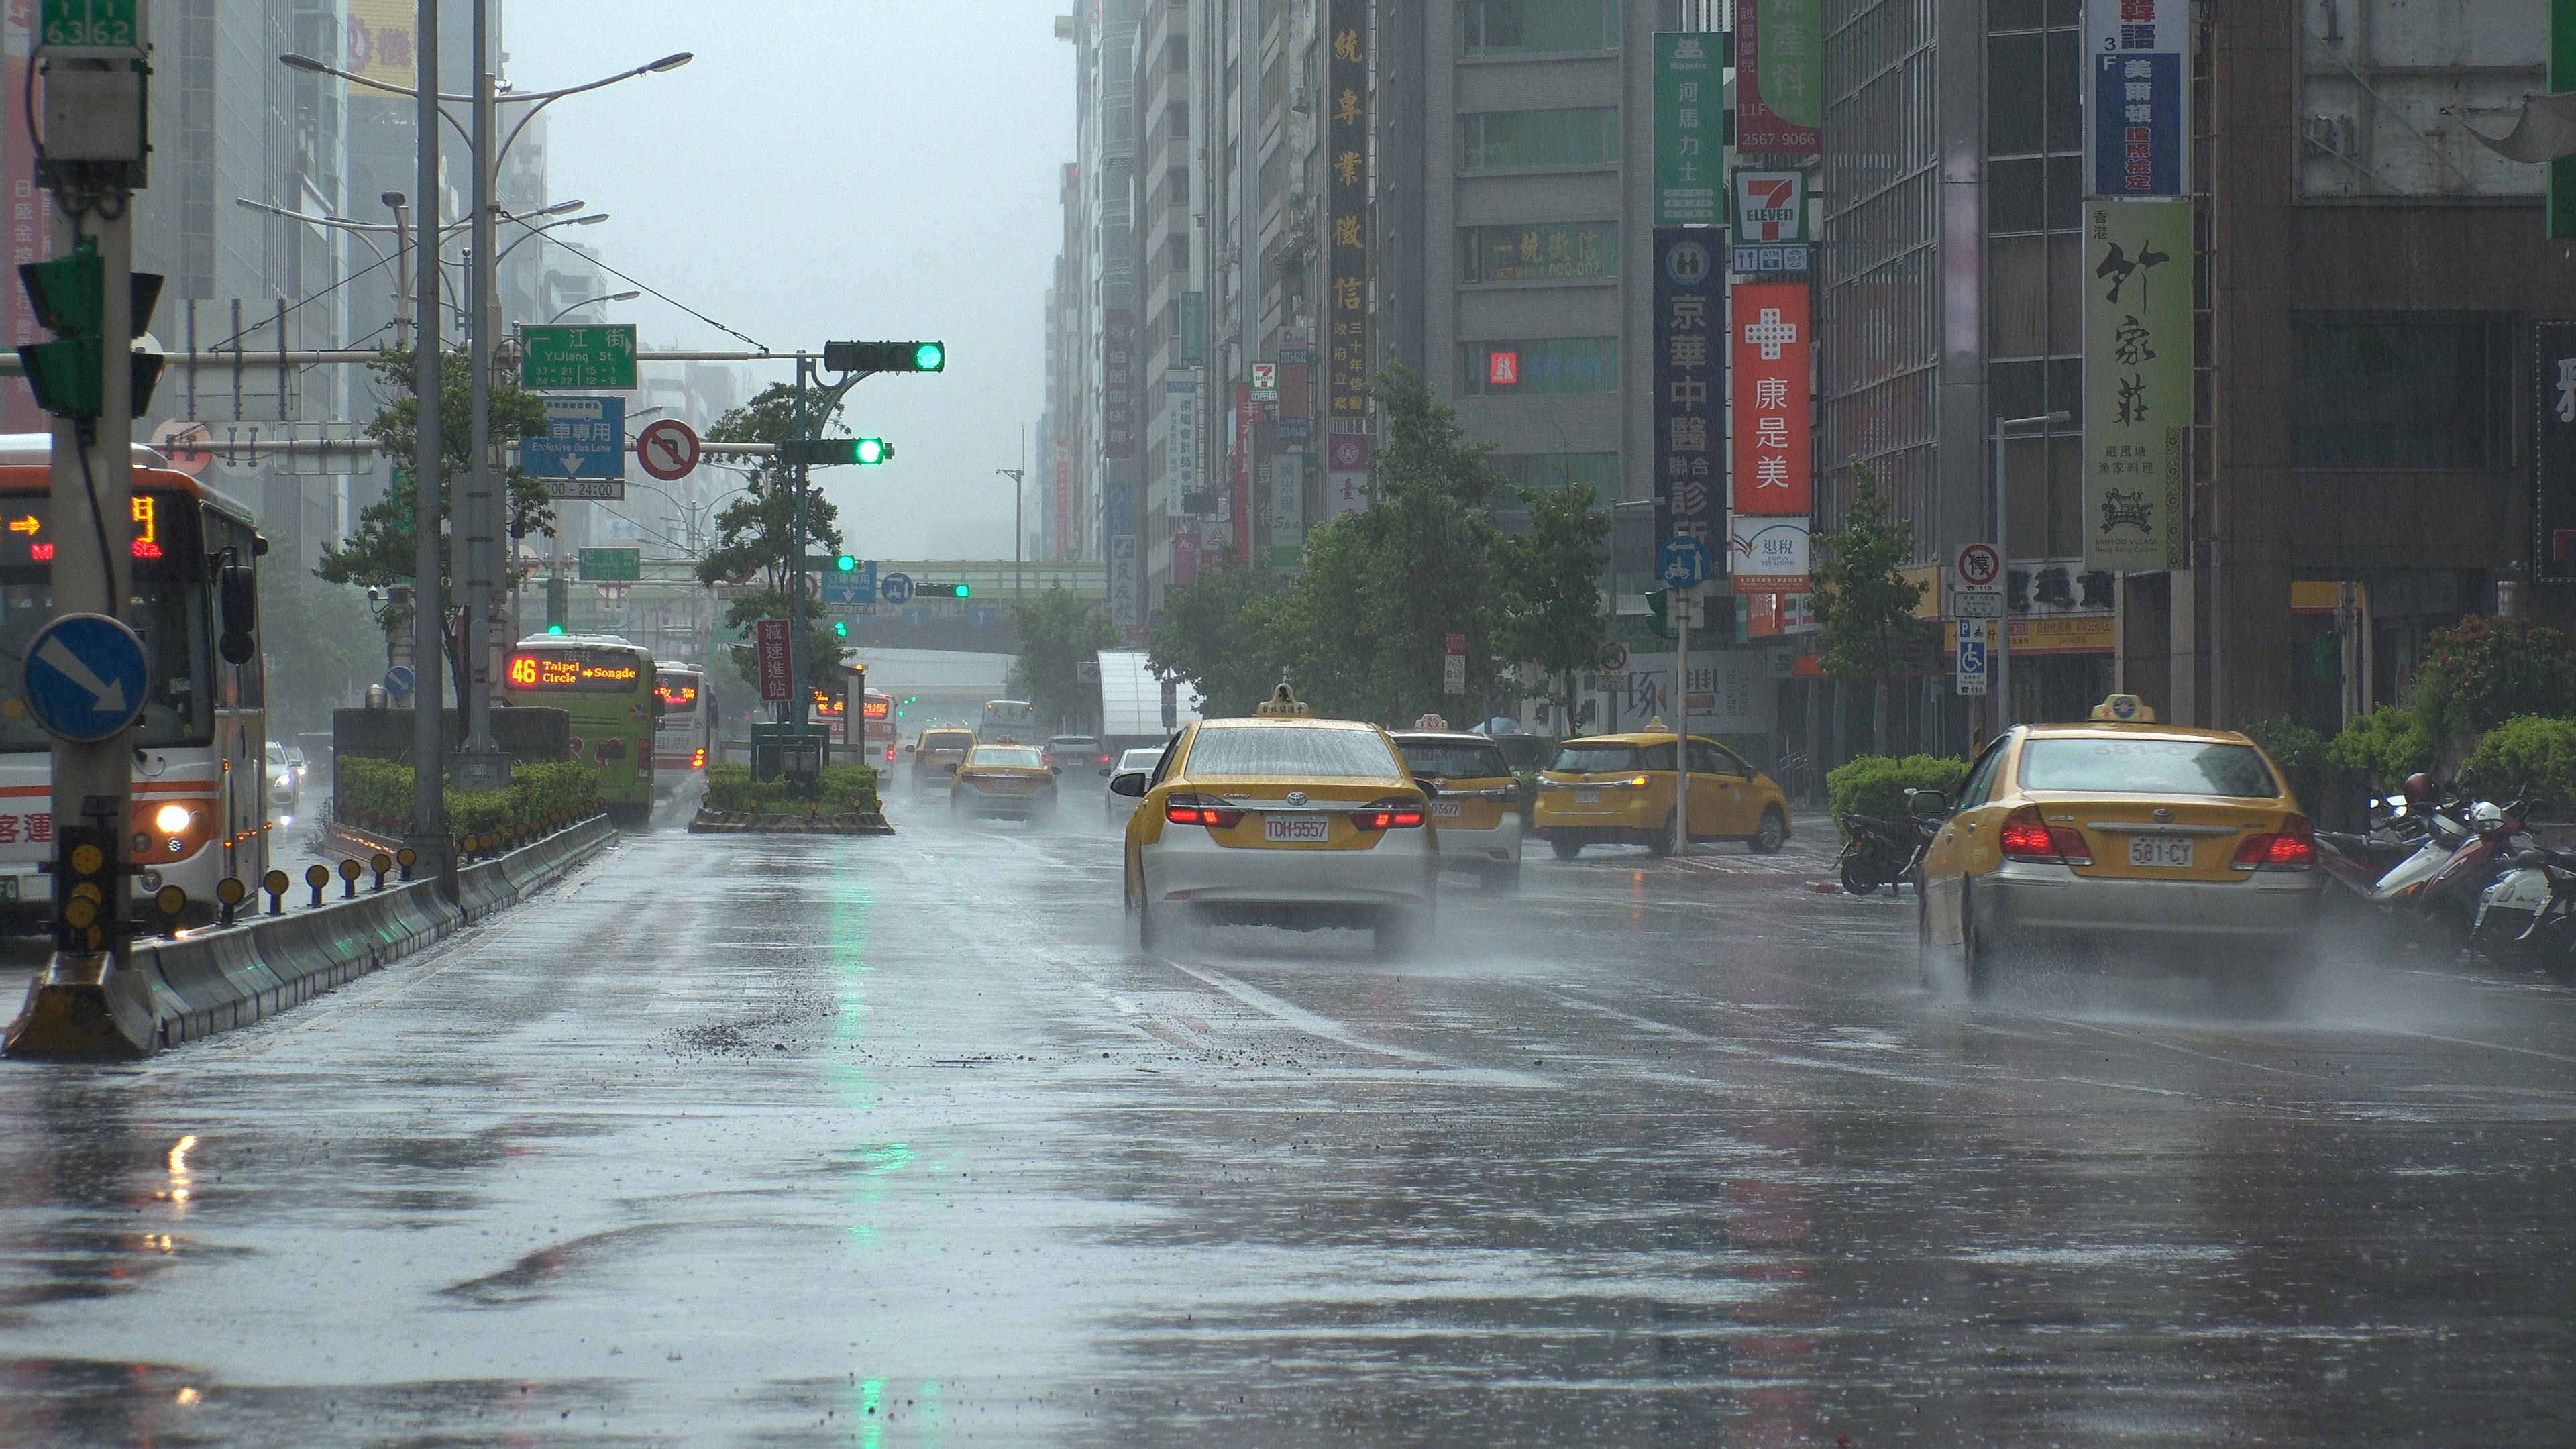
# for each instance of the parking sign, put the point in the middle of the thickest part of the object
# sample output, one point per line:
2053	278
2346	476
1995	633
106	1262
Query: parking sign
1971	662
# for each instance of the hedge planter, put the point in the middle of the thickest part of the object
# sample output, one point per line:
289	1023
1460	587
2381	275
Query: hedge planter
770	822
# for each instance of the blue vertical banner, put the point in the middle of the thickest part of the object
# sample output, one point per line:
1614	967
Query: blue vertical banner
1690	386
2139	142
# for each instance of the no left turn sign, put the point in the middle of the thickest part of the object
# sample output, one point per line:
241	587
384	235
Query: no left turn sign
668	448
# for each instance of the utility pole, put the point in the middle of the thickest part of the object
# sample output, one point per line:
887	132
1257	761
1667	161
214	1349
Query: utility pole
480	765
429	482
1688	599
90	160
792	712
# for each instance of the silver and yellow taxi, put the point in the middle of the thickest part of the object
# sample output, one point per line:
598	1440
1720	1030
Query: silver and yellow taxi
1282	820
1477	814
2124	833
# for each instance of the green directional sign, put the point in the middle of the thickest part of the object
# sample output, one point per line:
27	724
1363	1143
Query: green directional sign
612	565
597	358
91	25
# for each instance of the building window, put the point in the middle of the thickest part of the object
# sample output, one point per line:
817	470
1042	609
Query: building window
1588	136
1551	365
1537	27
1556	472
1541	252
2401	390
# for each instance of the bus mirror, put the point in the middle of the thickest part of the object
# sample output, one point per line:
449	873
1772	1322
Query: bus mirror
240	597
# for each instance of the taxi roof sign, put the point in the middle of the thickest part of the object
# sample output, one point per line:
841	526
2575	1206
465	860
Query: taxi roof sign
1282	704
2124	709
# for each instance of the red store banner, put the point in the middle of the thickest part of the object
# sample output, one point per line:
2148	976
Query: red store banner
1773	454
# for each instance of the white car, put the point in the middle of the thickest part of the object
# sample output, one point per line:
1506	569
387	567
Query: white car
1114	807
284	784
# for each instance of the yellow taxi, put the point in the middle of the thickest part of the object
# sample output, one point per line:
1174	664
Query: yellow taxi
935	754
1282	820
1477	814
2125	833
1011	781
1619	790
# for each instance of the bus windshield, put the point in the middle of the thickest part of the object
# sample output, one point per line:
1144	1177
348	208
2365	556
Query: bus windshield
168	608
678	690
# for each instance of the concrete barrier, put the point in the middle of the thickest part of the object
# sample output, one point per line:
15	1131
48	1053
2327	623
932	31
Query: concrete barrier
215	980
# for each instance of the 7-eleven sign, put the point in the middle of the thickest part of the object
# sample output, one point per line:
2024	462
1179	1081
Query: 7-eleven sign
1770	206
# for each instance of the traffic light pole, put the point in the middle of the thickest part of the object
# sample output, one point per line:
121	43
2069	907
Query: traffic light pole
480	765
428	834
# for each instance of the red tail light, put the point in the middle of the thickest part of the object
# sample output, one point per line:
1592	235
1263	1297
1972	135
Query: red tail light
2295	848
1389	815
1200	810
698	761
2027	837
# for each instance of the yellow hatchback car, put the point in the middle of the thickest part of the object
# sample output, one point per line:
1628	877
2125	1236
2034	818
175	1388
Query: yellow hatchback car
2125	833
1282	820
1618	790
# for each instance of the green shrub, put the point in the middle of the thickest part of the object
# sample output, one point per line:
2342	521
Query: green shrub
843	787
1876	784
377	793
2292	745
2387	745
2530	755
2481	672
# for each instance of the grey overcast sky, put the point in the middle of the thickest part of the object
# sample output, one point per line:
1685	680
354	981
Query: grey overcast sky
836	169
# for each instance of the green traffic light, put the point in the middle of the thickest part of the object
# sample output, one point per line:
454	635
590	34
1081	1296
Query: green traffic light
963	590
846	563
872	450
841	628
554	628
930	357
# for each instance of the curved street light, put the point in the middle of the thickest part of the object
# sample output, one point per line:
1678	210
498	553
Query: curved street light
590	301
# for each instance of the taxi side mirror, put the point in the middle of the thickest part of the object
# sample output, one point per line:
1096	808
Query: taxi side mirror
1430	789
1055	769
1929	804
1130	784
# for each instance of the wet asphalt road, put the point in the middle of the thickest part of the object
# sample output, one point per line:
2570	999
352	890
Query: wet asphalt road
745	1140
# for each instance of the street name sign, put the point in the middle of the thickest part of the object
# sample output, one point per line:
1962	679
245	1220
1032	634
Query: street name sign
612	565
85	677
668	449
587	357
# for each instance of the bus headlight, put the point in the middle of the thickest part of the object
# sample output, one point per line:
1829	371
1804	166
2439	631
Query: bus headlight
171	819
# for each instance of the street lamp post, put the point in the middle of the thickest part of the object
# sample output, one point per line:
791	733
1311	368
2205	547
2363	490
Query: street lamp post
1019	495
2002	712
429	593
590	302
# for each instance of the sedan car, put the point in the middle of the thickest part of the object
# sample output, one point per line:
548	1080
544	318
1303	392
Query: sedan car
1074	752
2125	833
935	756
1619	789
1283	820
285	782
1114	807
1477	814
1008	781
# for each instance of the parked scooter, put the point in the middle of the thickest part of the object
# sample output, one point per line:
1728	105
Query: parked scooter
1879	852
2527	919
2439	883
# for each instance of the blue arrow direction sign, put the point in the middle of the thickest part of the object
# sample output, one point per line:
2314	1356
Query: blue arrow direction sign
858	586
585	438
897	588
399	679
1683	564
85	676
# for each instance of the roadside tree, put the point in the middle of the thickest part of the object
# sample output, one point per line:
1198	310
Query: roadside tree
1864	606
1058	634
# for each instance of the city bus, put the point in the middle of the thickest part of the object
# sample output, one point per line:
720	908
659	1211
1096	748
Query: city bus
876	711
686	736
607	685
200	807
1009	719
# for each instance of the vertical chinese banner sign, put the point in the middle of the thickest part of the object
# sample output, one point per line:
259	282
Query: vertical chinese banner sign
30	229
2139	139
1346	294
1119	503
1772	452
769	646
1690	386
1690	129
1779	76
2553	454
2137	382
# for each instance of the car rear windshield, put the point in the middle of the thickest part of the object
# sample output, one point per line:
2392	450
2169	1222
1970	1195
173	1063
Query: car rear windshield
1015	756
1448	760
948	742
1302	752
1073	742
2147	767
1582	758
1140	759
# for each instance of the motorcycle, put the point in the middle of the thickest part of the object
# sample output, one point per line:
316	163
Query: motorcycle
2440	882
2527	919
1879	852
